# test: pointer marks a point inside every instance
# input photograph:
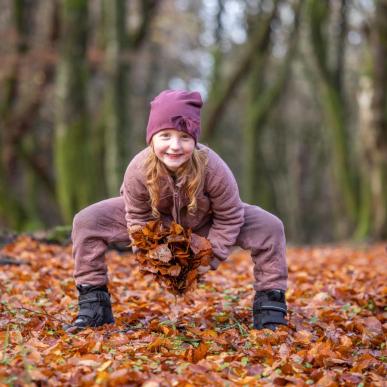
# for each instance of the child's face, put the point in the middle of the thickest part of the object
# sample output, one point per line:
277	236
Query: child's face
173	147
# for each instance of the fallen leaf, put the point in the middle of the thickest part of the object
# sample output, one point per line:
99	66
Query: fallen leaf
195	354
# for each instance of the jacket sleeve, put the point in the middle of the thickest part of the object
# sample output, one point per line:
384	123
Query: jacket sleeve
138	210
227	208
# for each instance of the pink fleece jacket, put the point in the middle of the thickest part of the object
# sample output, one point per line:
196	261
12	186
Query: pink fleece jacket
219	206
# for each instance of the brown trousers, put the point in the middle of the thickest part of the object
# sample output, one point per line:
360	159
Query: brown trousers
103	223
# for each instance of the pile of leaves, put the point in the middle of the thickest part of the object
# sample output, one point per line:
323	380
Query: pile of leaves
172	254
336	333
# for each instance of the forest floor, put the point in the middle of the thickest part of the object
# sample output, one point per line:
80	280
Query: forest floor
336	333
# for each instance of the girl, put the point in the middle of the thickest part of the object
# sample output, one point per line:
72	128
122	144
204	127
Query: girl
177	178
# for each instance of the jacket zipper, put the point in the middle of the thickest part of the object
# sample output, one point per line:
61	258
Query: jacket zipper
176	200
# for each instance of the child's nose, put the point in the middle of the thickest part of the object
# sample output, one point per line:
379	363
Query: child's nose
175	144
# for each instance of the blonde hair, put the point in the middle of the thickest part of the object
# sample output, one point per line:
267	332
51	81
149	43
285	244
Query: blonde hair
191	172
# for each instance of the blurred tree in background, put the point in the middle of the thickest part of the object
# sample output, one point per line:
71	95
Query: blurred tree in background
295	102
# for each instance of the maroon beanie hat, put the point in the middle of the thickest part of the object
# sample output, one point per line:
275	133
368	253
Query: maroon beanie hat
175	109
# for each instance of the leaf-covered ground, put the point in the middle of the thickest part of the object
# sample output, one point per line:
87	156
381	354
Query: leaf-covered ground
336	335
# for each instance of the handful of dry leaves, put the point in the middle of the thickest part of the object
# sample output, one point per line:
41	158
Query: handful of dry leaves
172	254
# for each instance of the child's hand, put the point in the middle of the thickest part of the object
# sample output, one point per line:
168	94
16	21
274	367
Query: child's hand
132	230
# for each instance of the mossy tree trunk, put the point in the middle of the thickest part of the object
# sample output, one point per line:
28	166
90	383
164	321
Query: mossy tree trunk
256	187
262	99
215	90
333	104
375	141
12	208
120	46
116	129
73	157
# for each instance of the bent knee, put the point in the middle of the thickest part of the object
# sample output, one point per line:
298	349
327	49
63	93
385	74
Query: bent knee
85	217
275	226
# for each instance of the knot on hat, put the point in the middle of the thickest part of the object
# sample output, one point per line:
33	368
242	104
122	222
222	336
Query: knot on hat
186	124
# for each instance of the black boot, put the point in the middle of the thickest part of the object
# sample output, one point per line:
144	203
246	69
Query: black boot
269	309
95	308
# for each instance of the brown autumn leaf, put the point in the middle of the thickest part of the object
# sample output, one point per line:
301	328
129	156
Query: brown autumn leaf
160	253
174	270
199	244
195	354
303	337
328	380
158	343
373	331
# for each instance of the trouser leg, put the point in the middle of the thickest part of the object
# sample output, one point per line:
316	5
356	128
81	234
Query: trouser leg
94	228
263	234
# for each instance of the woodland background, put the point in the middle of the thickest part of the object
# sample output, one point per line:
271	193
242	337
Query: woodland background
295	102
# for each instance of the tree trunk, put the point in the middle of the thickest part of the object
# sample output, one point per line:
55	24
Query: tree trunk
116	130
120	52
73	162
215	90
334	108
12	207
257	185
377	133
